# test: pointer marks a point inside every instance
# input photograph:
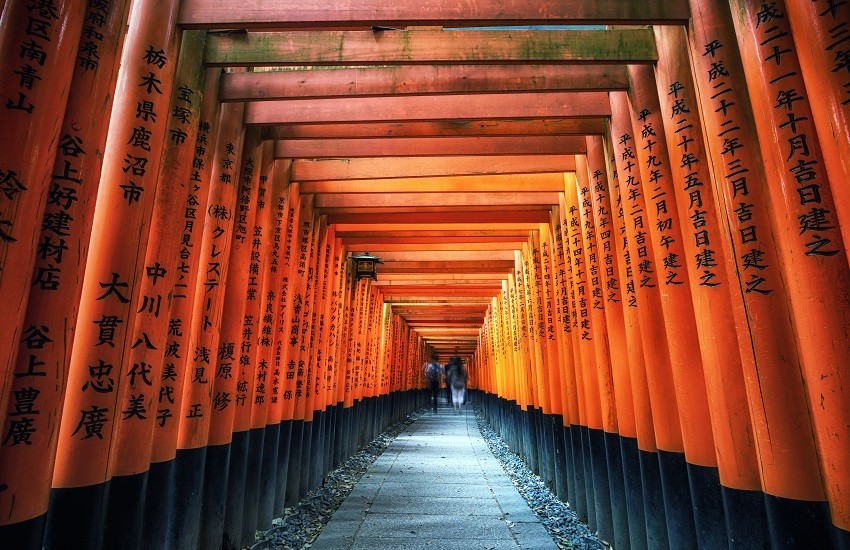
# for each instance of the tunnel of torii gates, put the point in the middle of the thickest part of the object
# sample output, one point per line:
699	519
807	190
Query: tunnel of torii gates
630	217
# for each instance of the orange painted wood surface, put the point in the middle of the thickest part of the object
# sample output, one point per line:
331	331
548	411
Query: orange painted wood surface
26	459
347	48
170	399
114	270
780	417
428	108
665	413
715	286
428	147
280	13
419	80
409	167
231	149
38	45
132	440
812	252
447	128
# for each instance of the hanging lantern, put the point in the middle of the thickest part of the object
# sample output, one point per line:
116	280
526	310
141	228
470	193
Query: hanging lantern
365	265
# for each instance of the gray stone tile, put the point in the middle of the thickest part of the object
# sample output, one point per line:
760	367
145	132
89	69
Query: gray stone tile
533	535
433	526
460	506
369	543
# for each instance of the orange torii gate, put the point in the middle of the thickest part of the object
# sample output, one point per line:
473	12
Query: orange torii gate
636	238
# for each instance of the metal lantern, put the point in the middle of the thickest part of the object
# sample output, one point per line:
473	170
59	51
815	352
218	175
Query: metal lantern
366	265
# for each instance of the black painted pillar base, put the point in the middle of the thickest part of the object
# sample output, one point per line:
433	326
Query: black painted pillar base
589	460
305	464
76	517
633	486
617	491
293	478
236	472
268	475
125	505
678	507
707	501
561	483
548	462
653	501
841	538
746	519
601	485
214	496
317	451
798	523
282	466
188	486
256	441
159	505
579	500
26	535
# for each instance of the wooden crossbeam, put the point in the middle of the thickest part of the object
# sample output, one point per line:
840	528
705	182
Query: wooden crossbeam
493	217
412	167
445	255
346	48
495	266
429	108
374	247
429	147
269	14
318	82
446	128
497	233
395	189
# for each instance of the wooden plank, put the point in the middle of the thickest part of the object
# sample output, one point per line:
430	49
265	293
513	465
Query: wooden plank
318	82
444	255
270	14
496	184
500	266
413	167
429	147
347	48
429	108
493	217
446	200
430	233
446	128
378	243
395	227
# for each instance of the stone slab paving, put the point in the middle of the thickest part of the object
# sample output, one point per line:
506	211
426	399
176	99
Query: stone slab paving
436	486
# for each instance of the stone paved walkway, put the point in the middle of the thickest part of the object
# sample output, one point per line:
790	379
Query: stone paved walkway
436	486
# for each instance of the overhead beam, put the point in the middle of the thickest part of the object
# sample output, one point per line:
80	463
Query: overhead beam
413	167
446	128
429	108
445	255
450	243
493	217
374	247
346	48
363	224
422	188
320	82
477	235
429	147
495	266
268	14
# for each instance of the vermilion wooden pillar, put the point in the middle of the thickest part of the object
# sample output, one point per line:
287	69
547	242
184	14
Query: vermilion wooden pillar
286	290
143	365
26	461
297	322
194	413
614	505
820	38
715	284
621	446
266	418
38	45
813	255
790	479
665	231
237	326
113	276
159	510
592	443
665	413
